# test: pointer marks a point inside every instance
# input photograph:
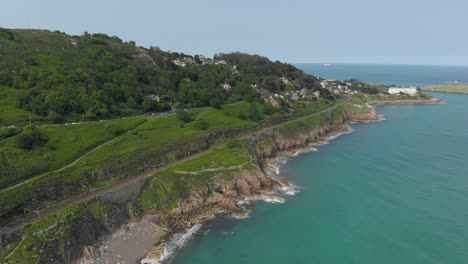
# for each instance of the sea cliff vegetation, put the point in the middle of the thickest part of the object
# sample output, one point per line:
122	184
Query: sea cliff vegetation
84	113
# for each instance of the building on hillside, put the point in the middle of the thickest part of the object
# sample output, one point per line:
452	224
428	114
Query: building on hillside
226	86
153	97
217	62
284	80
189	60
179	63
406	90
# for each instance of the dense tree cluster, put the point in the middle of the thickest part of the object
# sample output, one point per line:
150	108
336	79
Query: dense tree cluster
95	76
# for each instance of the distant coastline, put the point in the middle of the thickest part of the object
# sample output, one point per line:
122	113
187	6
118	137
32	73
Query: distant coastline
458	89
399	75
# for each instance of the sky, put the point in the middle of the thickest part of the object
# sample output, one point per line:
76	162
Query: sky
295	31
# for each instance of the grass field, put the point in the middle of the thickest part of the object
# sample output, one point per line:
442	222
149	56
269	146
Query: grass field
447	88
65	144
158	141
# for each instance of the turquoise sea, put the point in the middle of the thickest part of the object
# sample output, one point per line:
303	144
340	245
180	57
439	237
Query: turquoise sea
415	75
395	191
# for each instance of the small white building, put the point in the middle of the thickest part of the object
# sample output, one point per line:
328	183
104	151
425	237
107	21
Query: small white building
284	80
226	86
153	97
406	90
218	62
179	63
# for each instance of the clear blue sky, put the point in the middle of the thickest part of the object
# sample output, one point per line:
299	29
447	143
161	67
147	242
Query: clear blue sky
349	31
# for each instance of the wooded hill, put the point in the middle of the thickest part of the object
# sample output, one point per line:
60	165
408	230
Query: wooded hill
53	77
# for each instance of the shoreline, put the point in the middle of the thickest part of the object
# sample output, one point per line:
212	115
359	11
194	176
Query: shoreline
449	92
433	100
190	216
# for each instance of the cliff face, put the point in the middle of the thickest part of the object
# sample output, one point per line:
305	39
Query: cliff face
301	133
61	238
222	197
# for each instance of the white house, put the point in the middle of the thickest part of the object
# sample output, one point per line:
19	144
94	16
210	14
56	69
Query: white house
406	90
226	86
179	63
217	62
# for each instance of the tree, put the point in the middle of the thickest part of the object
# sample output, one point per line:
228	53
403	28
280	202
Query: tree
55	117
149	105
183	116
201	124
268	109
254	114
131	102
216	103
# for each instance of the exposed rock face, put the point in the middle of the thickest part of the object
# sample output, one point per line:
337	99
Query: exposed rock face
204	204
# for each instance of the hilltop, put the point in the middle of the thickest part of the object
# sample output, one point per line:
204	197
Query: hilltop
52	77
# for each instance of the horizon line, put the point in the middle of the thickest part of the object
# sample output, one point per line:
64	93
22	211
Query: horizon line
379	63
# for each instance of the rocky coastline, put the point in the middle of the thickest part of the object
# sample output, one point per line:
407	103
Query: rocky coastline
262	183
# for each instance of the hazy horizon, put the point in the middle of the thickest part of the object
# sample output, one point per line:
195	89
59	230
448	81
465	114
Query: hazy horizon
336	32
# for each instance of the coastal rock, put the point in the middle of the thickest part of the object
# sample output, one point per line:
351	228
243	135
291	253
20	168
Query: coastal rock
87	256
242	187
155	253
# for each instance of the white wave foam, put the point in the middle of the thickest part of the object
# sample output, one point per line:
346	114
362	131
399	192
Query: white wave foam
274	200
176	243
243	202
289	190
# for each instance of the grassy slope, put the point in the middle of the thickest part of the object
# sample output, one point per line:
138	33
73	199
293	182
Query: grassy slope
9	114
65	144
447	88
158	140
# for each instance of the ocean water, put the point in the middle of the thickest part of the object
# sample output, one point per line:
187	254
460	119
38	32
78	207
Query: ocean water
394	191
415	75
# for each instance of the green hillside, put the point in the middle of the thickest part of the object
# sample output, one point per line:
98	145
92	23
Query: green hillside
54	77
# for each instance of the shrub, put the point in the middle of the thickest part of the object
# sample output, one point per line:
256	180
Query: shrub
268	109
242	116
201	124
114	129
254	114
8	132
183	116
30	138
